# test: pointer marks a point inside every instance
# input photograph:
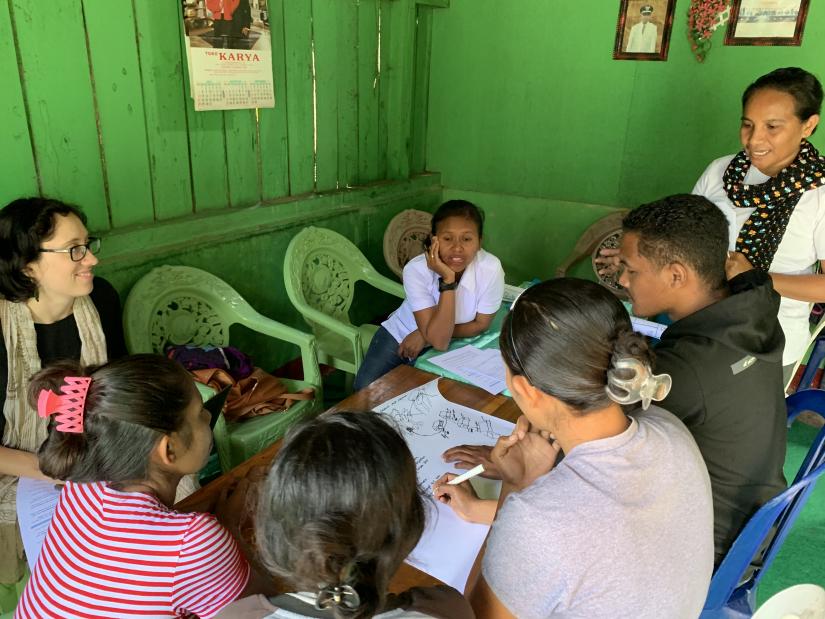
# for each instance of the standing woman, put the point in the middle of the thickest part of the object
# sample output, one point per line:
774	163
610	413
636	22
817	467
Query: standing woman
453	289
623	525
773	194
51	308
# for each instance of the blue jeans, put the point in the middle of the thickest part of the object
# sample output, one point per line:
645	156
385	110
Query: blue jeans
382	356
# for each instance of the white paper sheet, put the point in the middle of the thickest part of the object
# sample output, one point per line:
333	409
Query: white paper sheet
431	424
36	502
647	327
482	367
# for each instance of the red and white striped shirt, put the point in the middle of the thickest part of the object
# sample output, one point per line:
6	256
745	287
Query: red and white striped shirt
124	554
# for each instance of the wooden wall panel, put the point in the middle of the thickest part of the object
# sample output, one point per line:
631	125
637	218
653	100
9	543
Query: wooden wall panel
273	121
103	116
399	24
52	49
115	67
242	157
15	144
161	74
369	87
299	105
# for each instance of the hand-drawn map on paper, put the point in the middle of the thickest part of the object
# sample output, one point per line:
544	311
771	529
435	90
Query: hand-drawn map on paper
432	424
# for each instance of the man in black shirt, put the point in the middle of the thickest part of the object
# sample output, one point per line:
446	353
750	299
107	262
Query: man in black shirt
723	350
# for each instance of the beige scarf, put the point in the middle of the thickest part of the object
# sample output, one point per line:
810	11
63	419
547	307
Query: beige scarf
24	429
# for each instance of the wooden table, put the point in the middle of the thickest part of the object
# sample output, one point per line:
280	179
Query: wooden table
400	380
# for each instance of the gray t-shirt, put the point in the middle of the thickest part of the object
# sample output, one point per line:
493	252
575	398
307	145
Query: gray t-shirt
622	527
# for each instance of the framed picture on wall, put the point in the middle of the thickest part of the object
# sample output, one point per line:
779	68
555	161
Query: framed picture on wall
643	30
766	22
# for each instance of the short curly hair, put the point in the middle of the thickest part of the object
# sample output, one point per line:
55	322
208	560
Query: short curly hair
25	224
684	227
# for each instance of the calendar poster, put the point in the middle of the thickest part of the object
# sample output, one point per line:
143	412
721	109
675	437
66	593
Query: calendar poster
229	53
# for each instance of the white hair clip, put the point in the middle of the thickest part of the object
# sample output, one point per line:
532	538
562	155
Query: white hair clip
631	381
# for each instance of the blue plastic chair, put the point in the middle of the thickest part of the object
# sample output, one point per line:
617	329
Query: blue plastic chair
727	598
814	361
812	400
731	594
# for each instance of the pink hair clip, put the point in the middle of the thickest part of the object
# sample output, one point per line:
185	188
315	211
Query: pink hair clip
69	406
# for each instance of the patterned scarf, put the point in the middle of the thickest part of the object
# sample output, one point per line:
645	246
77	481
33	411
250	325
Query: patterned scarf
24	429
773	201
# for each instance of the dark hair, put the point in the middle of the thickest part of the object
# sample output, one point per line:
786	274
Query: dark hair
563	335
341	506
25	224
686	228
457	208
801	85
130	405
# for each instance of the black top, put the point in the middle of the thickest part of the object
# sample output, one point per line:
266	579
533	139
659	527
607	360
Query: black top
726	365
61	340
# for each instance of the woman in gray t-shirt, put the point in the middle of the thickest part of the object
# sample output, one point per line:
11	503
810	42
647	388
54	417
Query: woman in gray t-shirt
622	526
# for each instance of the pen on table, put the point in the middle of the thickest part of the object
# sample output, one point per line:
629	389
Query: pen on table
477	470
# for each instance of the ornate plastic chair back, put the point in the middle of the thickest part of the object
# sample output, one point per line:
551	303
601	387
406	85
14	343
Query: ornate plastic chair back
185	305
604	233
404	238
321	268
732	593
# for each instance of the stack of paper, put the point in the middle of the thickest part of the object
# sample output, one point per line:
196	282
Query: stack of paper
36	502
482	367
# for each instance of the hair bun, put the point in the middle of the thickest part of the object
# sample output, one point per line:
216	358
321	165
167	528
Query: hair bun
630	381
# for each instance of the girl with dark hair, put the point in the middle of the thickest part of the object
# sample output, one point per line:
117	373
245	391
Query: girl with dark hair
51	308
122	436
622	526
338	512
773	195
453	289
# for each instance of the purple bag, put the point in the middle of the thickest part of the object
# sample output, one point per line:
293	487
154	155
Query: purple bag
238	364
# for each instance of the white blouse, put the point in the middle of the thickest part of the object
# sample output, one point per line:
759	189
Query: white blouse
479	291
802	245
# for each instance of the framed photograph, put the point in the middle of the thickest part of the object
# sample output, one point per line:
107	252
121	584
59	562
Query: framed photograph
643	30
766	22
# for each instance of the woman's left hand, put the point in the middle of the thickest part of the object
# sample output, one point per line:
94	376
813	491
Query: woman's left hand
412	345
524	456
736	264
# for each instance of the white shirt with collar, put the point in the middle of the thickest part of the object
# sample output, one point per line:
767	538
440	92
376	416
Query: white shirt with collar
802	245
480	291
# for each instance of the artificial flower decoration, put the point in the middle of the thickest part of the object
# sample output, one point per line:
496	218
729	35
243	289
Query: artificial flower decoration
704	17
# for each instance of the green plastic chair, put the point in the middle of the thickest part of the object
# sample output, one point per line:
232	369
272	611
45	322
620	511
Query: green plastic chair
184	305
321	268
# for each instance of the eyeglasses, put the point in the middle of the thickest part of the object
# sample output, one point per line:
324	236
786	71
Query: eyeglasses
77	252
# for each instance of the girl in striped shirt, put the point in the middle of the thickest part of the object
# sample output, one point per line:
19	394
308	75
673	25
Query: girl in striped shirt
122	436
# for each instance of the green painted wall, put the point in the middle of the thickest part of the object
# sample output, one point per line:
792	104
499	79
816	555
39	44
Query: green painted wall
526	247
526	100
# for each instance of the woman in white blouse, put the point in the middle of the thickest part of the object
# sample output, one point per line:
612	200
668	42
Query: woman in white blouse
453	289
773	194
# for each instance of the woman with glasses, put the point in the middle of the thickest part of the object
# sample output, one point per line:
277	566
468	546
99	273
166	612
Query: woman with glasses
622	526
51	308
